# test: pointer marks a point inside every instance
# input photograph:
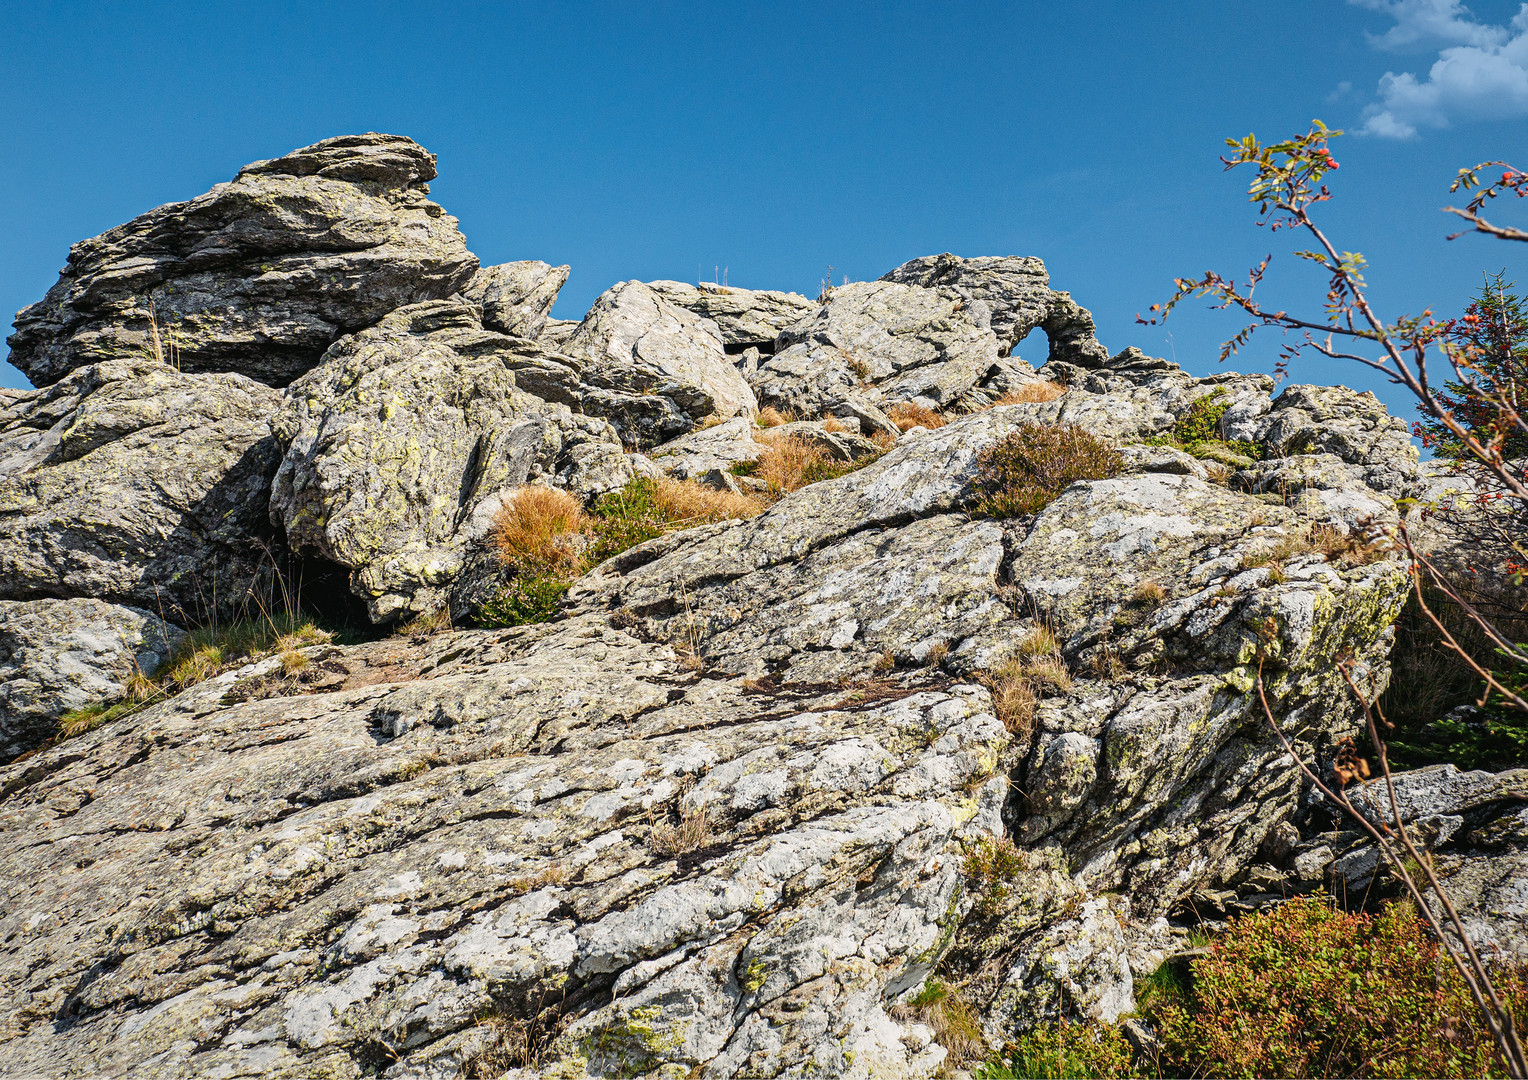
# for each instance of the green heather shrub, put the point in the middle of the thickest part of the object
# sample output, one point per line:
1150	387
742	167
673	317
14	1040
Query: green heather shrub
1023	473
1301	990
1063	1050
990	867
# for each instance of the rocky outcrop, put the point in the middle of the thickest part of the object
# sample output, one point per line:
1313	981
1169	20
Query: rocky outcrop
627	864
746	317
402	441
654	369
516	297
138	484
61	655
1017	295
259	275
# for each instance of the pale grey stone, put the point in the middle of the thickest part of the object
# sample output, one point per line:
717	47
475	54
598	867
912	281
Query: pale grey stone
516	297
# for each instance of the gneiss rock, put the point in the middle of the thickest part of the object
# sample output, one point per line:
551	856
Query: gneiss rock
259	275
654	369
137	484
1017	295
874	343
516	297
401	443
745	317
60	655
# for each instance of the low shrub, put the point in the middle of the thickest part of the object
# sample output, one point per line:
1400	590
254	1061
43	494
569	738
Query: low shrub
990	867
1309	990
1023	473
1301	990
1061	1050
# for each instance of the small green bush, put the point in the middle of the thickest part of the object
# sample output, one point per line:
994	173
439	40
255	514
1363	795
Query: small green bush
990	867
1309	990
532	598
1198	432
1022	474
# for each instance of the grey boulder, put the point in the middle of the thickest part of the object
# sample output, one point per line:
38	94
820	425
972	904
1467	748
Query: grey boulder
258	275
516	297
402	443
61	655
135	483
745	317
653	368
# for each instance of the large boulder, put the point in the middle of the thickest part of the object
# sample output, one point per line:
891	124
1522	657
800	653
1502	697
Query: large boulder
1016	292
516	297
260	274
135	483
746	317
402	441
60	655
654	369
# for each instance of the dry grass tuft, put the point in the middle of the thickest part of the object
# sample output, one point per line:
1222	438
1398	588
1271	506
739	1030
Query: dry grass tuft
685	505
769	417
957	1025
1148	594
884	663
691	834
787	463
540	528
292	661
884	439
555	874
1032	393
833	423
434	622
1013	697
936	654
906	416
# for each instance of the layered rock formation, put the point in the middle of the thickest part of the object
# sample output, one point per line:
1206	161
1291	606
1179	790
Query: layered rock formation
758	780
258	275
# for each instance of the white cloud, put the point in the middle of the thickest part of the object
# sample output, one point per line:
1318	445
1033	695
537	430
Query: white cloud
1481	72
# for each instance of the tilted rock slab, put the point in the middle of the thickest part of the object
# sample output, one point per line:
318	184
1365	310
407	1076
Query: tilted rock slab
516	297
60	655
259	275
654	369
137	484
403	441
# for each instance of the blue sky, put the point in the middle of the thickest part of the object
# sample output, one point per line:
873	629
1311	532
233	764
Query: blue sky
653	140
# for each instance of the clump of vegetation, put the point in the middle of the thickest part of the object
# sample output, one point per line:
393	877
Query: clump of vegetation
769	417
1301	990
1061	1050
1018	684
957	1026
990	867
691	833
1335	545
1198	432
907	416
431	622
1032	393
789	464
1023	473
546	539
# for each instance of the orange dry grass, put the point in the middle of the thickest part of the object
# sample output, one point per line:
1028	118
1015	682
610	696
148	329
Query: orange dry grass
833	423
907	415
540	528
769	417
1033	393
684	505
785	463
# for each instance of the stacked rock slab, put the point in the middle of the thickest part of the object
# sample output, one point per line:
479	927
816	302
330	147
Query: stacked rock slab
516	297
259	275
401	443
